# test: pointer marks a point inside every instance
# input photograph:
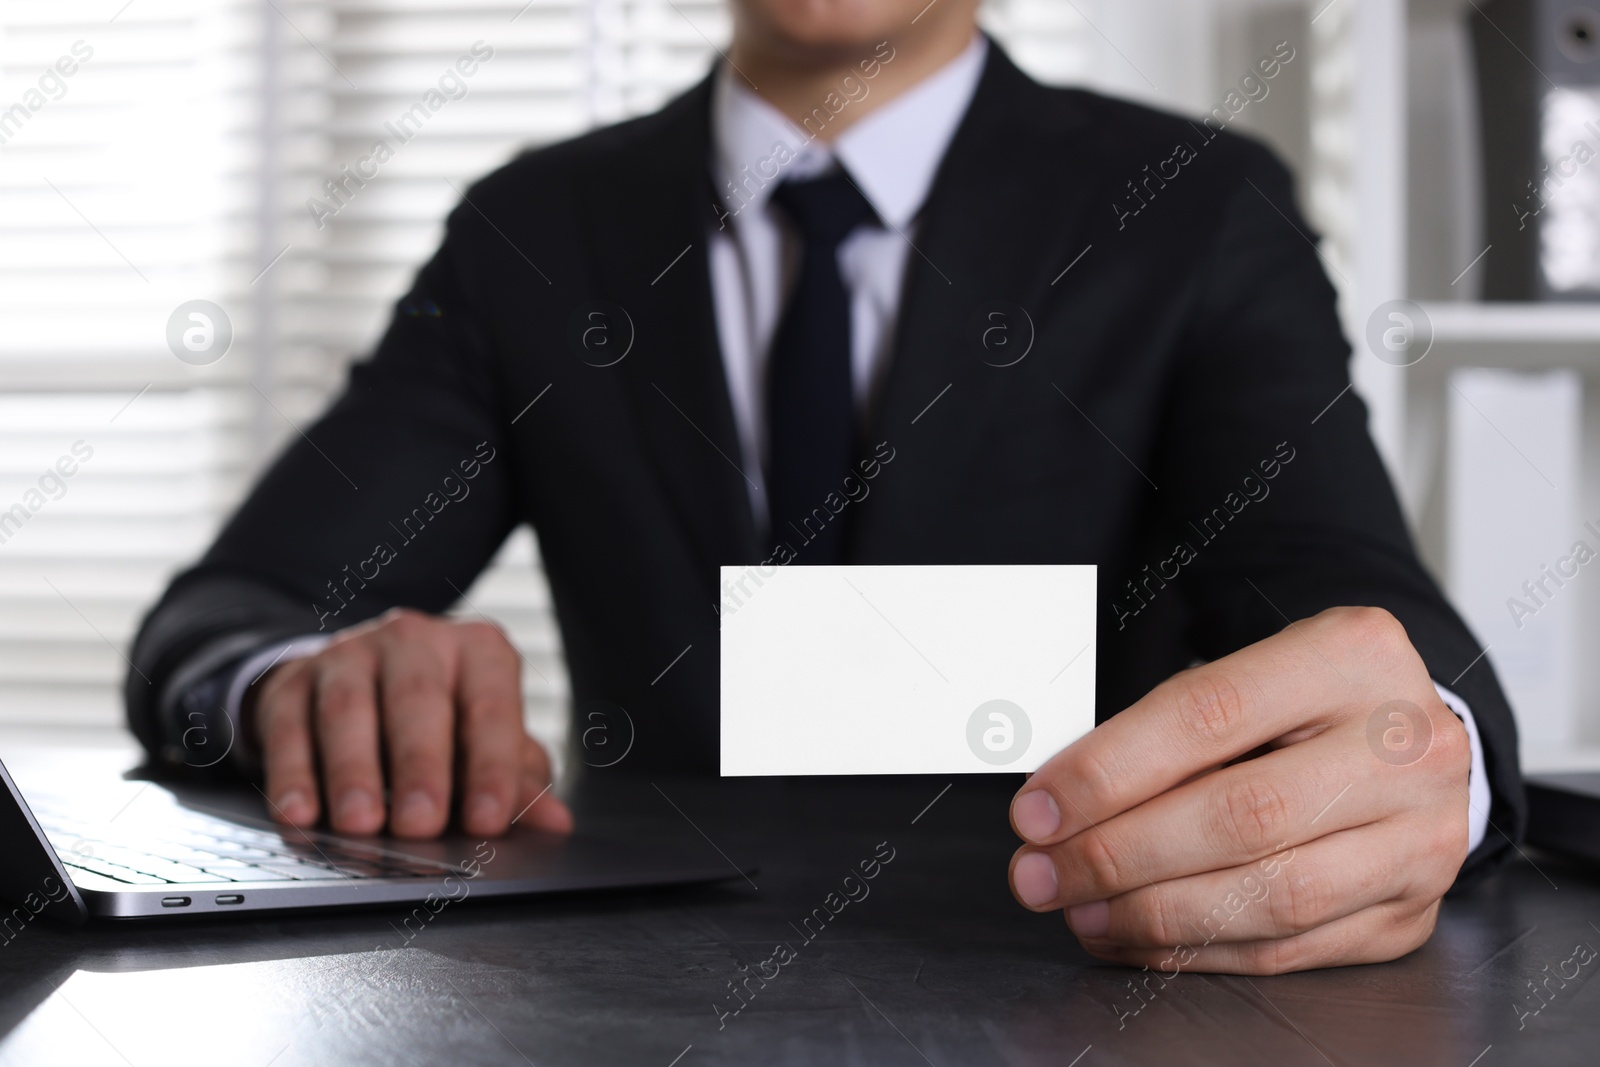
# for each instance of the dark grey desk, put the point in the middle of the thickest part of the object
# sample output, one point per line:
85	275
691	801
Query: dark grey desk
935	964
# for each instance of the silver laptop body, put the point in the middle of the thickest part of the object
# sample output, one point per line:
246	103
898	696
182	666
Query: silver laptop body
185	851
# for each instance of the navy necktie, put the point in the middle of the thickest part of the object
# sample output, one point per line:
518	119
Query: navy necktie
811	416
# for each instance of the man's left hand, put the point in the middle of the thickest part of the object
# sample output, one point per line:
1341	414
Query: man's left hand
1300	803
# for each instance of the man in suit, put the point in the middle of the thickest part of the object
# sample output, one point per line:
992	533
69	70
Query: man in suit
868	294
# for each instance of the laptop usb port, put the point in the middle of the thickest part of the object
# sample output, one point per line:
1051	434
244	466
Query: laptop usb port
174	902
230	898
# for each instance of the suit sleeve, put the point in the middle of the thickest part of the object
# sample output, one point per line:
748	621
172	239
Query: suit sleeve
397	496
1269	475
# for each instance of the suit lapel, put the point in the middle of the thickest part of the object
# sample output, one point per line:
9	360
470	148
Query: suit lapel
651	252
999	224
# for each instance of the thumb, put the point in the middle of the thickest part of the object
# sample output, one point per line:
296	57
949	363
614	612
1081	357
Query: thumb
537	801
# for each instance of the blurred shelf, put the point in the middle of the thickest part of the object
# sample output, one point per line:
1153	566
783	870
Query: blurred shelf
1500	324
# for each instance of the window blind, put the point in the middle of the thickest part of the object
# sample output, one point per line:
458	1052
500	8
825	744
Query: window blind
126	150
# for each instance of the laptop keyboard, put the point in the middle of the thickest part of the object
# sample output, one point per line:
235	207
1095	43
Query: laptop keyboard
190	848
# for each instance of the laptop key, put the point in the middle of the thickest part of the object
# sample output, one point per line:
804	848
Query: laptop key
181	872
242	836
243	852
176	872
110	870
190	856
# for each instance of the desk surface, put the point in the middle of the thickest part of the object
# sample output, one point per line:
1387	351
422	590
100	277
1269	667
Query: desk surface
934	964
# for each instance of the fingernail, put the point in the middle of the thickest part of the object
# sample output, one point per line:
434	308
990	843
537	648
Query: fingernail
415	806
1035	879
356	805
294	806
1035	814
1090	920
483	810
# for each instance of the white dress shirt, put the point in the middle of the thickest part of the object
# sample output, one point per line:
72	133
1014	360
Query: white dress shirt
892	155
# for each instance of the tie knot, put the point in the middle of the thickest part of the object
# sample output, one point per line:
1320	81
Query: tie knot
826	209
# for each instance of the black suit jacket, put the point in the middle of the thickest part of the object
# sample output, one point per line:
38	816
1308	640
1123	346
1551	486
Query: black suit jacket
1181	342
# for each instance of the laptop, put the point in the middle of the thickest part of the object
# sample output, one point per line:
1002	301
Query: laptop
178	851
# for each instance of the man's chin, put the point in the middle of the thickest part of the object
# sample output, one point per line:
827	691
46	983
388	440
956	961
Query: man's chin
830	29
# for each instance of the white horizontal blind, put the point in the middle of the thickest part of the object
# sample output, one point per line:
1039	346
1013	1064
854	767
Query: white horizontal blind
191	142
124	191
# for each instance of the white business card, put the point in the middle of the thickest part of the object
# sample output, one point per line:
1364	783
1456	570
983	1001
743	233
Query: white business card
904	670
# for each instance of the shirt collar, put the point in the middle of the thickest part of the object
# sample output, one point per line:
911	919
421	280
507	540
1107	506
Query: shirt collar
892	154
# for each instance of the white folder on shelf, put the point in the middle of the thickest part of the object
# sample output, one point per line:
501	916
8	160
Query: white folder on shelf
1514	527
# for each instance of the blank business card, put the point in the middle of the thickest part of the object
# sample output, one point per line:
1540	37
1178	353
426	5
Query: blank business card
904	670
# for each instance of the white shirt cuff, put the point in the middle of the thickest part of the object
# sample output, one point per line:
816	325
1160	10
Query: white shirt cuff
1478	780
257	665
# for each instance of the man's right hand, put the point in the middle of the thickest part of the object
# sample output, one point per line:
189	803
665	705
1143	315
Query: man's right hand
422	710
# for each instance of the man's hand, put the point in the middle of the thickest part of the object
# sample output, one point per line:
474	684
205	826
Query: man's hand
1300	803
429	709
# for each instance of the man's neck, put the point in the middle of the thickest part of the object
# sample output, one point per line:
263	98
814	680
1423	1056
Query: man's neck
798	84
